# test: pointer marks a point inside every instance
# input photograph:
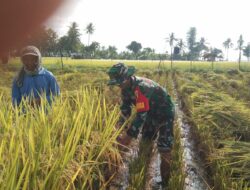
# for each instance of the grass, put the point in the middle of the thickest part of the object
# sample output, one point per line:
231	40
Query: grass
138	167
177	179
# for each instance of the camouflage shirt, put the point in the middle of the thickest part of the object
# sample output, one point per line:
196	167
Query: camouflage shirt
151	102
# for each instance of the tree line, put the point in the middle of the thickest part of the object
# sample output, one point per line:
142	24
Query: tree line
199	49
70	45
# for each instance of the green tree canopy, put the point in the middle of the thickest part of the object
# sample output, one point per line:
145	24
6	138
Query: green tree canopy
227	45
74	42
89	30
63	45
112	52
191	42
200	48
45	39
240	43
135	47
213	54
180	44
171	39
91	49
246	51
52	38
147	53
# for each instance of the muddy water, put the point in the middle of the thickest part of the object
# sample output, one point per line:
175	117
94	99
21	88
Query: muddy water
121	179
194	168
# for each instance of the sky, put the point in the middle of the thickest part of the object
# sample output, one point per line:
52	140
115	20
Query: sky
149	22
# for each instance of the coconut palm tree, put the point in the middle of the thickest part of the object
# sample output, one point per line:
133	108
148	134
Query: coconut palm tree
191	43
73	38
89	30
240	47
181	45
246	52
227	45
171	40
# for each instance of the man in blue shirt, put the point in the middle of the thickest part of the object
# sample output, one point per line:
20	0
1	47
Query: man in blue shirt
33	81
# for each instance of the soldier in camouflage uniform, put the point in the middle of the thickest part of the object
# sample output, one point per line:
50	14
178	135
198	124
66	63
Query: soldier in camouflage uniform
155	111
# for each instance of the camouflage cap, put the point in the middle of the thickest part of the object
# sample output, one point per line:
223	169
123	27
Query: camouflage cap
119	72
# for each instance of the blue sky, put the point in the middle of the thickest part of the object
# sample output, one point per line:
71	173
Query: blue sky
118	22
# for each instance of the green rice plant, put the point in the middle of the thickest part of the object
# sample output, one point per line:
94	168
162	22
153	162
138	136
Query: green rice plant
93	65
70	145
235	155
177	176
237	88
222	114
217	116
231	166
138	167
215	109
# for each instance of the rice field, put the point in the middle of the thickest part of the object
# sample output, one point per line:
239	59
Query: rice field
72	145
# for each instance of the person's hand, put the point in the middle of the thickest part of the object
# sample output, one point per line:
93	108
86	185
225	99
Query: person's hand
124	140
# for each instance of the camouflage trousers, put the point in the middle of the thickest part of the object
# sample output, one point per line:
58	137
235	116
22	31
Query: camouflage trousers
160	129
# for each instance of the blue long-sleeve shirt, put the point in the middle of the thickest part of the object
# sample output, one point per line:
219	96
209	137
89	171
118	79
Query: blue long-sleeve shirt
35	86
